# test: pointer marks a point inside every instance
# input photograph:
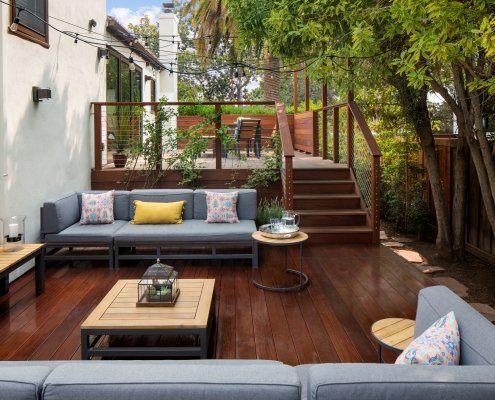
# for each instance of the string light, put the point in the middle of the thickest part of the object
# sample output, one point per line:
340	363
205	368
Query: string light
132	66
75	40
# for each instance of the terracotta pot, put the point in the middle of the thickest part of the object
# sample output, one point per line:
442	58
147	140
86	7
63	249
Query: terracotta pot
119	160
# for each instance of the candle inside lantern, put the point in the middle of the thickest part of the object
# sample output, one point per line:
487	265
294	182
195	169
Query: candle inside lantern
13	230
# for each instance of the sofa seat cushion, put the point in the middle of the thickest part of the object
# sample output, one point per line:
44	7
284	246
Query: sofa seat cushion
78	233
141	380
22	382
191	230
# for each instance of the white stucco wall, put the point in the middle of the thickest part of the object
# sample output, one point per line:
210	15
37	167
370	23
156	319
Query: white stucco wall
47	147
168	25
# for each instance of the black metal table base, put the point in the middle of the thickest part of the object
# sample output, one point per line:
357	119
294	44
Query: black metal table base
303	282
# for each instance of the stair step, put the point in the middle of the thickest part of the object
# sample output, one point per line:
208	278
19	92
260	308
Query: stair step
318	173
324	186
332	218
326	201
340	234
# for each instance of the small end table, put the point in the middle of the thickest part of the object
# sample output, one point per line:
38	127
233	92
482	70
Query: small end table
392	333
296	240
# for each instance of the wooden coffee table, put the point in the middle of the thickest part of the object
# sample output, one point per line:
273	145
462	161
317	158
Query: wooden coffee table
117	314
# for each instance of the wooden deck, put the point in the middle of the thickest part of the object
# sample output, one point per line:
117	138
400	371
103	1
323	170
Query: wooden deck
350	287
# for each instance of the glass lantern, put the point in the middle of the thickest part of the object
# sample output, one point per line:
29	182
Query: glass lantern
159	286
13	233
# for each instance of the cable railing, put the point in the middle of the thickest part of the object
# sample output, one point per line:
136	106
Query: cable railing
118	126
347	139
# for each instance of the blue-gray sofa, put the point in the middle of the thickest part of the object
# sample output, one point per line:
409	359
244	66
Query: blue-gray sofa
60	229
474	379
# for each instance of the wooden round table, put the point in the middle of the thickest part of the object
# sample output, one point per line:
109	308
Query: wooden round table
392	333
296	240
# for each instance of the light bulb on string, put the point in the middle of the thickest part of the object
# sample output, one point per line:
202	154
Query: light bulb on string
15	25
132	66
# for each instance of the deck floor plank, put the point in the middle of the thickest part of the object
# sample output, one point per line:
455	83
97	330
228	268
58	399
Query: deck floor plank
350	287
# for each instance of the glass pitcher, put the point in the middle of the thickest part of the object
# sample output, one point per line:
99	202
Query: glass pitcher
290	218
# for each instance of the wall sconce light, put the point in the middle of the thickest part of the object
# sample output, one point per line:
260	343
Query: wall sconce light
91	24
39	94
102	53
15	25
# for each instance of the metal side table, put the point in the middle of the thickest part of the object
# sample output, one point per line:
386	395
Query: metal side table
297	240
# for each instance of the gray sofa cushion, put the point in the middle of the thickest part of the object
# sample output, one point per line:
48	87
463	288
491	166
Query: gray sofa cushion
246	203
60	213
477	333
178	382
77	233
120	202
191	230
404	382
22	383
165	196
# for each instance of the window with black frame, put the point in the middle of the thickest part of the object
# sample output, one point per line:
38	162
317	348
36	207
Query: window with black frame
29	20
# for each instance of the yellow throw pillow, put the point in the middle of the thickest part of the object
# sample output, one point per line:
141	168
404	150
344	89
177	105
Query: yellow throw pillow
158	213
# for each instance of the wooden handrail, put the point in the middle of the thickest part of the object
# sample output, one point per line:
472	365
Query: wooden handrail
186	103
288	154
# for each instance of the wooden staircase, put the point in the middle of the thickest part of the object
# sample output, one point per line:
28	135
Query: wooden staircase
330	206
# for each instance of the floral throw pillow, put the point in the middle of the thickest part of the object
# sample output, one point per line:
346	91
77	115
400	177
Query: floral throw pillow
221	207
438	345
97	208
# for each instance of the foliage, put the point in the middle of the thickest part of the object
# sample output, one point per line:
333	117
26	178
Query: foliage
262	177
148	32
123	127
272	208
207	110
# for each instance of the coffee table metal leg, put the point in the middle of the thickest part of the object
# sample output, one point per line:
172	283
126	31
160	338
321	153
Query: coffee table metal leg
84	346
39	271
380	354
4	285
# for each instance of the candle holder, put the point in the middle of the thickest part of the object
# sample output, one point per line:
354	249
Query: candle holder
13	234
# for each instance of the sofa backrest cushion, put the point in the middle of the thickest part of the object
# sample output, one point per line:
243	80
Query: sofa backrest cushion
151	381
477	333
164	196
404	382
60	213
246	202
120	202
22	382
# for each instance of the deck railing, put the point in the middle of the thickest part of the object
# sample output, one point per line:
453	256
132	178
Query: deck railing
357	148
286	172
115	124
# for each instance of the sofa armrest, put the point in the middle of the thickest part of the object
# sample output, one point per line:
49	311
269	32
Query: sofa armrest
477	333
404	382
59	213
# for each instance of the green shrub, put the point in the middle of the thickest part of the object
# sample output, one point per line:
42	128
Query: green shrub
269	208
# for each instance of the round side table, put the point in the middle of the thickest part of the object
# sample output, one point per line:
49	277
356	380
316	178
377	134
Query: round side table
392	333
296	240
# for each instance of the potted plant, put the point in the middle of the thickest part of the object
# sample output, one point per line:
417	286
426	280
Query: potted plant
123	128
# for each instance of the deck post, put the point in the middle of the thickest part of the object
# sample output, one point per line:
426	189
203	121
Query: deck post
306	92
218	142
335	133
296	92
324	121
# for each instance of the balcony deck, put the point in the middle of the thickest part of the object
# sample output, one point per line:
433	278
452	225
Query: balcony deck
350	287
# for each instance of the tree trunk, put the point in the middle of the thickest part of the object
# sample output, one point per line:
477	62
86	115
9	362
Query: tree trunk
460	199
414	105
271	79
484	170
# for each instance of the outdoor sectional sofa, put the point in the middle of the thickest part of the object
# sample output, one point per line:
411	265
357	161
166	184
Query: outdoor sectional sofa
261	379
60	229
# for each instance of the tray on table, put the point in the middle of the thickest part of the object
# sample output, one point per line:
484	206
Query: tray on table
284	233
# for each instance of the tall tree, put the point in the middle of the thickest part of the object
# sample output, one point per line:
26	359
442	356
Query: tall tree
148	33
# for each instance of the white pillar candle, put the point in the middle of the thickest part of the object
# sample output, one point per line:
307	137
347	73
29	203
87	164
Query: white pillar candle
13	230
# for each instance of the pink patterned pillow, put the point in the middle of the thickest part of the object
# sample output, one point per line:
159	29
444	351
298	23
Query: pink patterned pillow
438	345
221	207
97	208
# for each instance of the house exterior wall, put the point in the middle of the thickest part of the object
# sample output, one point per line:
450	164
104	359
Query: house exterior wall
46	147
168	25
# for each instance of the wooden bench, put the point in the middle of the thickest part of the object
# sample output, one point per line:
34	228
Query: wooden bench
11	260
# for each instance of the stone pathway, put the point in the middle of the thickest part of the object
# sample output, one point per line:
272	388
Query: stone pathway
399	245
